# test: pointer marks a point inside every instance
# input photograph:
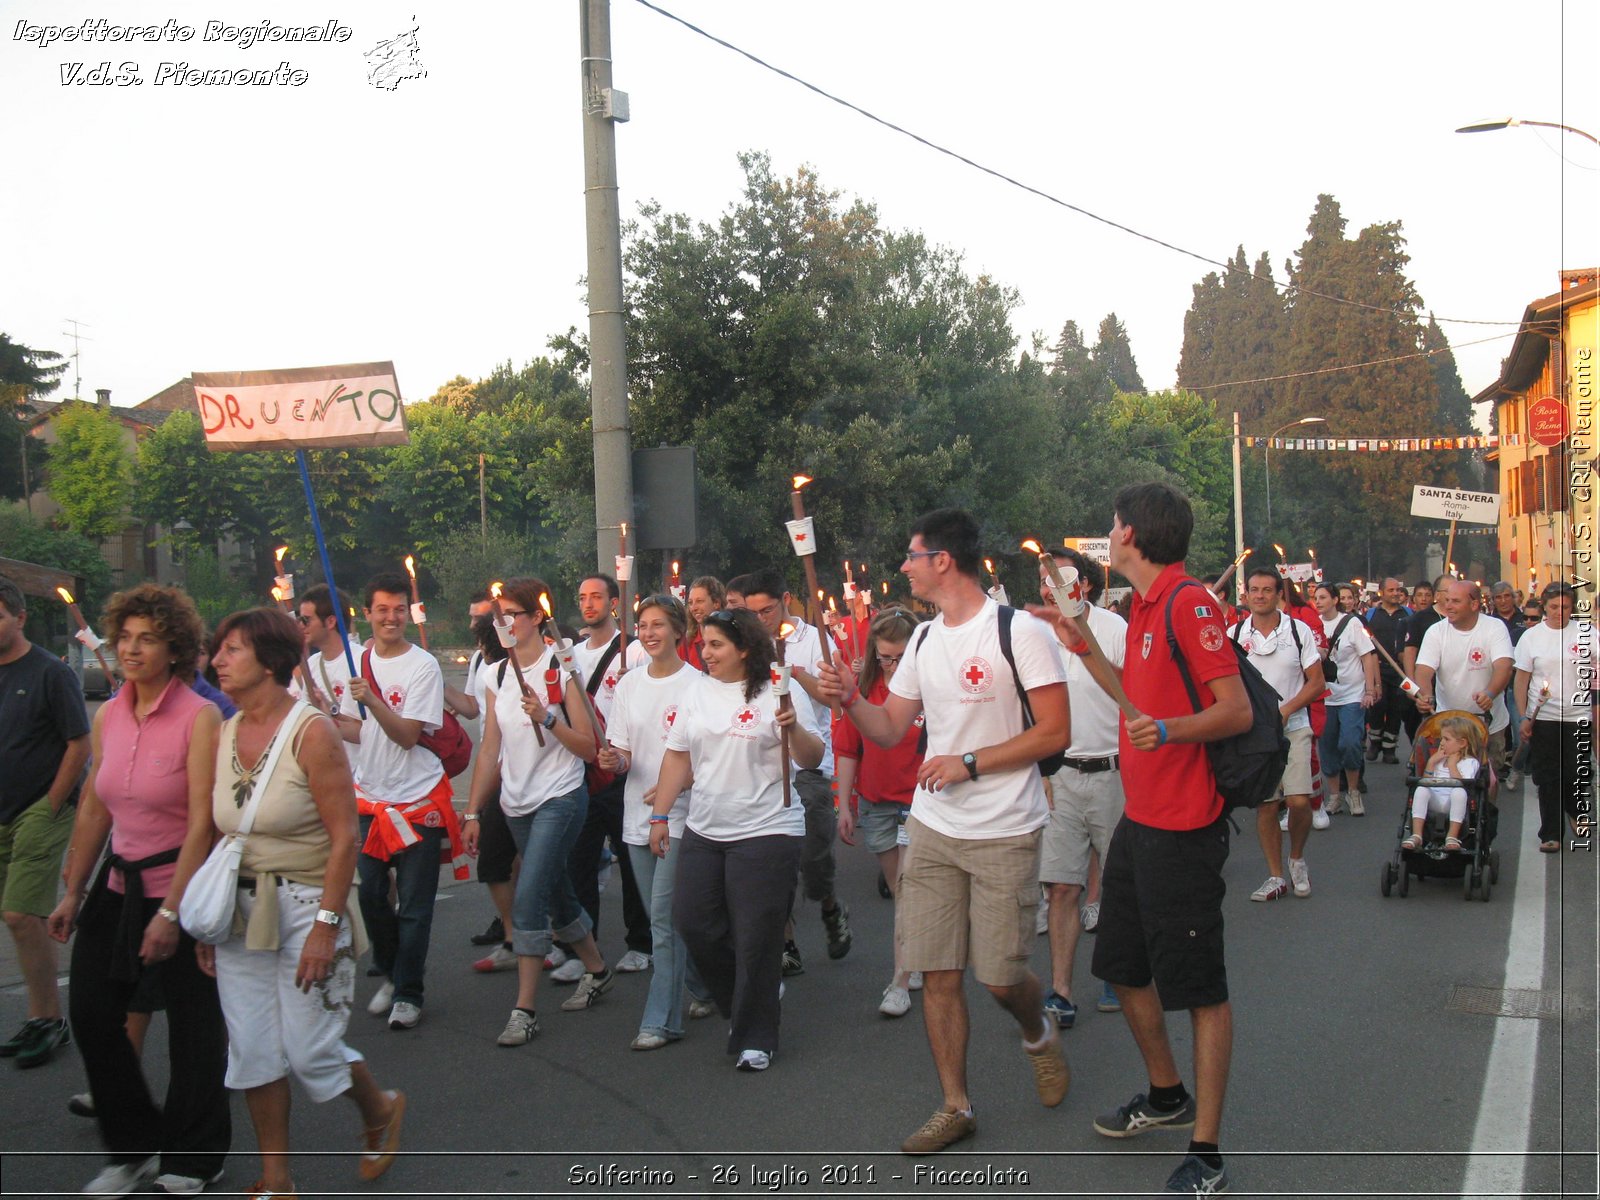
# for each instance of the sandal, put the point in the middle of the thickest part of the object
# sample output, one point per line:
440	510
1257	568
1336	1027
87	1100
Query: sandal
1549	847
1414	842
381	1143
1453	845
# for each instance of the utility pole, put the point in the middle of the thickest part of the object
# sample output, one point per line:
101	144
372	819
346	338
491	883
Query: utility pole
1238	502
483	509
608	367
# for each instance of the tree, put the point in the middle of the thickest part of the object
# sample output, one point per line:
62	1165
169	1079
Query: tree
38	372
24	373
90	470
1113	354
181	482
30	540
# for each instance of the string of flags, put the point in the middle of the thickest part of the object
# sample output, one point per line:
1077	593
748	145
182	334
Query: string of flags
1389	445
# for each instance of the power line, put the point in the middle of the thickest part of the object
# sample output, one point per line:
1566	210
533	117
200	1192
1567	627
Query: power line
1375	362
1026	187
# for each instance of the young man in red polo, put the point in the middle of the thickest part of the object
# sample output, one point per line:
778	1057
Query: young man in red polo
1160	934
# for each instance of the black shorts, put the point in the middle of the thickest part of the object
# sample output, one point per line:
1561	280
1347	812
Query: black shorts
496	851
1161	913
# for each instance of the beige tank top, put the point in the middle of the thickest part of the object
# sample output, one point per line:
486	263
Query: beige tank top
288	838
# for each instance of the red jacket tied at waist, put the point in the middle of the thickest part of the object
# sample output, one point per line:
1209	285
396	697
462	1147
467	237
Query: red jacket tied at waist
394	826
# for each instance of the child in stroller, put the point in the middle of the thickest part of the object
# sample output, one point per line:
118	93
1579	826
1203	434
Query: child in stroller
1459	756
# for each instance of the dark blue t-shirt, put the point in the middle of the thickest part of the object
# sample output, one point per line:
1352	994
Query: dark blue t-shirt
41	710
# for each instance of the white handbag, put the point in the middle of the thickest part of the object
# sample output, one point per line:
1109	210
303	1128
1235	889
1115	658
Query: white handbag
206	911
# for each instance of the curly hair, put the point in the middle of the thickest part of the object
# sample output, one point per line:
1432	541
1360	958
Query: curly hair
747	633
171	614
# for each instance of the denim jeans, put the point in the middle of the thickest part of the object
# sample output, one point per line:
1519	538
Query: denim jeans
400	936
670	966
1342	737
545	898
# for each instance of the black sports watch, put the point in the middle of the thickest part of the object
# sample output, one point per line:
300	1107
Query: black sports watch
970	762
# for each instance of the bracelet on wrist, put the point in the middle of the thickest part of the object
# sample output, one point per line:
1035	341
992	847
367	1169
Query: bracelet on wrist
166	914
1161	732
469	816
658	819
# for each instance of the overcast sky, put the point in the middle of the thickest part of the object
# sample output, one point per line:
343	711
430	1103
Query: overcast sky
440	223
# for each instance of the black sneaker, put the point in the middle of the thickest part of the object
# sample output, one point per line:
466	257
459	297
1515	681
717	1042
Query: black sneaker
792	963
1194	1178
14	1044
1137	1115
837	923
495	934
883	887
42	1045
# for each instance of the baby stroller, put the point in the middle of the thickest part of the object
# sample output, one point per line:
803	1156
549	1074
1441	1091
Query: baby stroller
1476	864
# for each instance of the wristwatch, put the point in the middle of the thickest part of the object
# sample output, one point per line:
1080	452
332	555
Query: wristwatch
970	762
326	916
166	914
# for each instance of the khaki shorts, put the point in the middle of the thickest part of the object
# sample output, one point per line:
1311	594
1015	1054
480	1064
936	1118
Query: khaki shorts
968	902
31	849
1087	809
878	825
1297	774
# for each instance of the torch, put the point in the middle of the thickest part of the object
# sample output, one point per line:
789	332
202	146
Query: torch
680	592
1069	597
569	663
1408	685
284	580
624	573
1222	579
780	689
1283	561
508	639
87	636
803	537
998	591
419	614
1539	698
1316	567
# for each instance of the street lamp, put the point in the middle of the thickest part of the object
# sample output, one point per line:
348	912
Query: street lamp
1509	122
1270	436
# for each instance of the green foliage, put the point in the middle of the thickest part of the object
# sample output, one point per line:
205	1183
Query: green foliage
27	539
1113	354
90	470
179	480
1179	438
37	371
216	590
24	373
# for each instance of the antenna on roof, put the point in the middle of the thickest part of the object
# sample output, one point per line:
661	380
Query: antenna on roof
77	359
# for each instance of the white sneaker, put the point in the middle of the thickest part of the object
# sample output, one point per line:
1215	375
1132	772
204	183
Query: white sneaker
1331	802
185	1185
700	1009
404	1015
753	1060
1319	818
896	1001
914	982
521	1029
1283	820
1089	916
1273	888
1300	877
568	972
555	958
1358	806
501	958
382	1000
118	1179
633	961
1514	780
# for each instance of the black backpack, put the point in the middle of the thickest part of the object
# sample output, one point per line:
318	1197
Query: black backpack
1050	763
1249	765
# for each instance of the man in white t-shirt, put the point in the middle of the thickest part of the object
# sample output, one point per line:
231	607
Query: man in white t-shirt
326	662
1465	662
403	794
1284	650
969	879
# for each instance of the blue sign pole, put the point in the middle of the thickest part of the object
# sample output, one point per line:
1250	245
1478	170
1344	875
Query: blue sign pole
327	569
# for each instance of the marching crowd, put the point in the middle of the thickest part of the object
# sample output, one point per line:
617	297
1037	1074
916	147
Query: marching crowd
1014	771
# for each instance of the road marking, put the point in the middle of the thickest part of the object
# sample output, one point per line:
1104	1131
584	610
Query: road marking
1505	1113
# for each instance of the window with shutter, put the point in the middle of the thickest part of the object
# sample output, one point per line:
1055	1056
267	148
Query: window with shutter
1557	470
1530	487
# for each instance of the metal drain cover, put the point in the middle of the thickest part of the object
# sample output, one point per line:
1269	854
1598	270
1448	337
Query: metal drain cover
1538	1003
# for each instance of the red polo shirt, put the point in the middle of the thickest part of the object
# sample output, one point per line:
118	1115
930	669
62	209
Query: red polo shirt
1172	787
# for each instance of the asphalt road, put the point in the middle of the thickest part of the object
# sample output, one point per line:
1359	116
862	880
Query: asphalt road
1354	1071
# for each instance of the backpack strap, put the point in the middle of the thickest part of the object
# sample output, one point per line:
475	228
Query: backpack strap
612	651
1004	625
1177	653
1338	631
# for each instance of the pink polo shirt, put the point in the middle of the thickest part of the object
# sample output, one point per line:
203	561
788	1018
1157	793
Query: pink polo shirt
143	781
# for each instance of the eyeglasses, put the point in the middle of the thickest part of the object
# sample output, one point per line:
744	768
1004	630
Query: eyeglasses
305	620
923	553
891	660
513	612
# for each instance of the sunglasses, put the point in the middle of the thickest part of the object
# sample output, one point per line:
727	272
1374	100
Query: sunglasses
304	620
724	619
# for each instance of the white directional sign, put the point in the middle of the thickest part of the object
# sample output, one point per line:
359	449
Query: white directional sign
1482	508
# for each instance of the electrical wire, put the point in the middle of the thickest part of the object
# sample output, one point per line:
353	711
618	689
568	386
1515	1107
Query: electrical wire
1375	362
1027	187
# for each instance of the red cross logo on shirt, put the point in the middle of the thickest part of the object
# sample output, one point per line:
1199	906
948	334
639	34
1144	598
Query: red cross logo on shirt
396	697
745	718
1475	657
668	719
976	676
611	683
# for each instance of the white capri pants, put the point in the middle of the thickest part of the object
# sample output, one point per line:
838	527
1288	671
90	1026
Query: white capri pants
273	1027
1451	800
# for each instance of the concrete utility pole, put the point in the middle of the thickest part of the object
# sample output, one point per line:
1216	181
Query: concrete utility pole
608	367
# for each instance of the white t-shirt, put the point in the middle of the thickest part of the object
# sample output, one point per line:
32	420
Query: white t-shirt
588	658
1463	664
413	687
643	713
1095	715
1354	642
969	698
332	676
1565	658
1466	768
803	648
735	752
530	774
1274	656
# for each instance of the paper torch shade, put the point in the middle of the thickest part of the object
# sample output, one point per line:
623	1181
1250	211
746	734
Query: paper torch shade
419	613
1316	574
1409	686
90	639
680	593
780	679
849	590
1072	597
802	536
566	658
285	585
998	591
1283	569
624	567
504	631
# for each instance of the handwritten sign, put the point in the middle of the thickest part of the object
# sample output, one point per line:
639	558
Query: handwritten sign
1482	508
301	408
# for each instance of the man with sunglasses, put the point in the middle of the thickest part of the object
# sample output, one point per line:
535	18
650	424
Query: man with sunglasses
326	662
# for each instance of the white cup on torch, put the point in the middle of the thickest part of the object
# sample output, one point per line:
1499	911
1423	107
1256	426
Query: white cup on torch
504	631
419	613
802	536
624	567
780	679
565	657
285	584
90	639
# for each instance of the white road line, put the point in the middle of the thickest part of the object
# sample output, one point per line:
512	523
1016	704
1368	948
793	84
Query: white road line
1505	1112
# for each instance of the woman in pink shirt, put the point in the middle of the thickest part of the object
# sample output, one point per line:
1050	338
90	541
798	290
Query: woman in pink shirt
155	750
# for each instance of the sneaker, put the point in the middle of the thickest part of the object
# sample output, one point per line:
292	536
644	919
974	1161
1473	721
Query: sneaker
1089	917
42	1044
382	1000
701	1009
837	923
81	1105
1194	1178
590	988
568	972
883	887
118	1179
520	1029
1514	780
792	962
1041	920
1300	877
185	1185
914	981
1064	1011
649	1041
753	1060
1283	820
495	933
1319	818
1108	1002
896	1001
13	1045
1332	802
940	1132
1138	1115
1358	806
633	961
501	958
404	1015
555	958
1051	1074
1271	889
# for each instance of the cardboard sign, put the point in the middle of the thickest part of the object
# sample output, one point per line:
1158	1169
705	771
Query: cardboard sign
1481	508
302	408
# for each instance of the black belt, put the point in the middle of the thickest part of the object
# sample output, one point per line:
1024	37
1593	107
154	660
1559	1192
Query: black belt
1091	766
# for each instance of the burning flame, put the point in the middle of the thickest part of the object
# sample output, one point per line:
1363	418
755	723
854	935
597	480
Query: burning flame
279	553
64	594
1278	548
831	606
1243	554
411	566
1032	546
277	593
885	587
494	589
674	566
624	531
785	629
988	565
544	603
800	481
1311	552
